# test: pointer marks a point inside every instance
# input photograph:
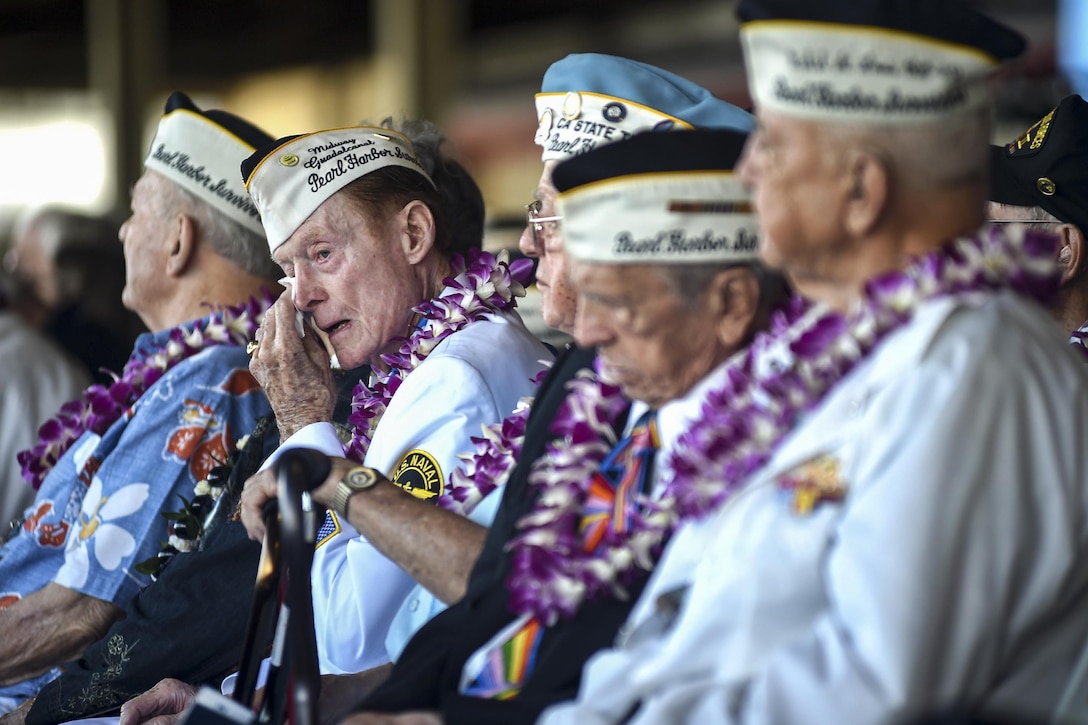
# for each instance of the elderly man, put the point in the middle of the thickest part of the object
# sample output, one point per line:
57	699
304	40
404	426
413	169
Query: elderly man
905	458
355	219
197	271
1040	178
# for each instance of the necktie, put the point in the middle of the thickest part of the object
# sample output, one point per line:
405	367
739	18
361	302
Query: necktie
626	472
507	660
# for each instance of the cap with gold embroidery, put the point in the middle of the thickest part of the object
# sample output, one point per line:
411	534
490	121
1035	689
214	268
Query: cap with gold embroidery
290	178
892	61
200	151
658	198
590	99
1047	165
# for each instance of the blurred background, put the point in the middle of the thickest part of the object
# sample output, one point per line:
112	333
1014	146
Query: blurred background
82	82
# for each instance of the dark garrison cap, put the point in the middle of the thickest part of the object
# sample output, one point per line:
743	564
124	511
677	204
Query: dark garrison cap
649	152
1047	165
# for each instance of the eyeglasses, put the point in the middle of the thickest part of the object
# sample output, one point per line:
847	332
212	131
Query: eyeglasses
536	222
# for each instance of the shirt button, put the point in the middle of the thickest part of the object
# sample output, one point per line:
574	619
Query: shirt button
413	605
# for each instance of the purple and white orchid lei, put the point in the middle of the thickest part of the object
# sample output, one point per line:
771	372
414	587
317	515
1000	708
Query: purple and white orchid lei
100	406
783	374
477	287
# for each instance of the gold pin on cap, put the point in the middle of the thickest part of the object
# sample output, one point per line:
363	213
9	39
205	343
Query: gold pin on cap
572	106
289	160
1046	186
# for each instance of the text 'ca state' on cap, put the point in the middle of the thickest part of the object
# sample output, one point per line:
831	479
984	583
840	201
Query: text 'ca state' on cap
891	61
200	152
658	198
1047	165
289	179
590	99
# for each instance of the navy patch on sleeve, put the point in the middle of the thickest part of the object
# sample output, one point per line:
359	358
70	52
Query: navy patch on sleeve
420	475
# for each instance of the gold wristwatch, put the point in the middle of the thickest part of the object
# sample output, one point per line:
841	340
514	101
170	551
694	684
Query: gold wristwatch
357	479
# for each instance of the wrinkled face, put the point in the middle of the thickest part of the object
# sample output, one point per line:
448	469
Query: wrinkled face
351	274
553	267
795	177
651	343
145	238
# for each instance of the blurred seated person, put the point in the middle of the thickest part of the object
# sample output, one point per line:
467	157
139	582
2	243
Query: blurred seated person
74	271
38	379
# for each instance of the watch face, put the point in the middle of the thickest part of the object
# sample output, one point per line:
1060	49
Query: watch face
361	477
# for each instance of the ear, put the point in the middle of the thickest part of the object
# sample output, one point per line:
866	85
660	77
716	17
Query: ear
1071	252
736	298
180	254
418	229
867	195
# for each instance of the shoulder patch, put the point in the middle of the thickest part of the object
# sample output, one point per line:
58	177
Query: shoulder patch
420	475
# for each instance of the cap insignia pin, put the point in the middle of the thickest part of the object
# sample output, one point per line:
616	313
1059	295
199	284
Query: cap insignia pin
614	112
572	106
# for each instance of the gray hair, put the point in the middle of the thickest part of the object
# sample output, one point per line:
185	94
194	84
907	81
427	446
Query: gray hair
1040	220
689	281
226	237
461	212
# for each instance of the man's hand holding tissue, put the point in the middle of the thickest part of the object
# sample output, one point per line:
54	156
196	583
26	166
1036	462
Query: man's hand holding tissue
293	369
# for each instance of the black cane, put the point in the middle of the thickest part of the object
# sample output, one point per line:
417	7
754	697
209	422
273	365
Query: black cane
297	471
262	612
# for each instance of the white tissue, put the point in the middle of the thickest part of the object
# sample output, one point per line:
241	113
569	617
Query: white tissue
300	316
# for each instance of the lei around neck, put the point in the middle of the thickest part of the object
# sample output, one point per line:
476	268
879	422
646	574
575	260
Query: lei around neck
100	406
784	373
478	286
